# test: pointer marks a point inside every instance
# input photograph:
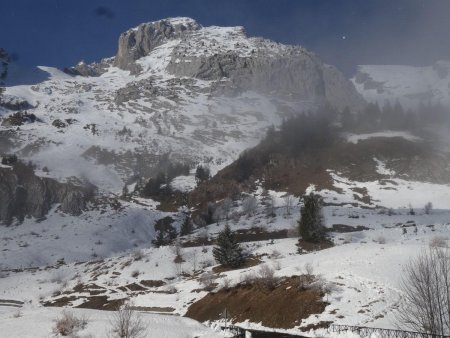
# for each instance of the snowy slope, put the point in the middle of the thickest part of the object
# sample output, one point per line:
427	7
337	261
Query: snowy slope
409	85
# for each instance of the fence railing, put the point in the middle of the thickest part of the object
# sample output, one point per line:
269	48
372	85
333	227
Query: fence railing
382	333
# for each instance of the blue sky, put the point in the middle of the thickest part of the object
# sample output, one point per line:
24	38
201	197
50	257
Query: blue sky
342	32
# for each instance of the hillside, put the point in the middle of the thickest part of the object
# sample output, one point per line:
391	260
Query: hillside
118	177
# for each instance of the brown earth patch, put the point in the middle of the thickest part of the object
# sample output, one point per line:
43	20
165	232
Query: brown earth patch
102	303
152	283
153	309
343	228
249	262
305	247
243	235
283	307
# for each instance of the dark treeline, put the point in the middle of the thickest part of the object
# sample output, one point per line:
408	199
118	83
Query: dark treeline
393	117
309	133
160	182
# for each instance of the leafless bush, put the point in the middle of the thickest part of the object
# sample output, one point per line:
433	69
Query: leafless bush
177	247
194	261
207	280
426	293
276	265
127	323
266	277
438	242
288	202
309	269
428	208
225	285
17	313
249	205
138	255
68	324
247	279
275	254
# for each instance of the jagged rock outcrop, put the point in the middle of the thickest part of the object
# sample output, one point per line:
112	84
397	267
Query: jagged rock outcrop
92	69
14	103
23	194
227	56
140	41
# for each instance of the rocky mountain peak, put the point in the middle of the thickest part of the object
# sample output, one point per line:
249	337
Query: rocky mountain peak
141	40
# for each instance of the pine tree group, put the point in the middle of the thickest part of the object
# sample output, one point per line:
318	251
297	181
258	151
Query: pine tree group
311	226
228	252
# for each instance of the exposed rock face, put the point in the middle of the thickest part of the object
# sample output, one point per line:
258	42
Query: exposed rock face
22	194
14	103
93	69
339	91
239	63
141	40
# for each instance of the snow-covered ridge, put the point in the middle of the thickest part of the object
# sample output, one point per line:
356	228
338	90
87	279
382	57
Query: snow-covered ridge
410	85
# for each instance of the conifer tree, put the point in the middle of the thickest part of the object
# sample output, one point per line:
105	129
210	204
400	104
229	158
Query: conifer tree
228	252
311	226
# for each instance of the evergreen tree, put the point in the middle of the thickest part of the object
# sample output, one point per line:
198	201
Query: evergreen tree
202	174
228	252
186	226
311	226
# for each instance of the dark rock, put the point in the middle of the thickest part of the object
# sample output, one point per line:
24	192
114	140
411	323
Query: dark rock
18	119
14	103
139	41
59	124
23	194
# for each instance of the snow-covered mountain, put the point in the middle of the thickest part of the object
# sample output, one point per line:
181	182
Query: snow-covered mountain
200	94
411	86
182	92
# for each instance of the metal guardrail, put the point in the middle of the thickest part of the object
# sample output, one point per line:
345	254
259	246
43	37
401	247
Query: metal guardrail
364	331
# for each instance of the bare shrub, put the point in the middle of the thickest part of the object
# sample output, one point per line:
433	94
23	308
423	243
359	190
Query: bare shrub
275	254
247	279
138	255
288	202
207	280
17	313
266	277
276	265
249	205
428	208
309	269
127	323
68	324
426	293
438	242
225	285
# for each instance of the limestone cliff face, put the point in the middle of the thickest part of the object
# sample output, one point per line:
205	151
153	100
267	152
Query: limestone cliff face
23	194
140	41
240	63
